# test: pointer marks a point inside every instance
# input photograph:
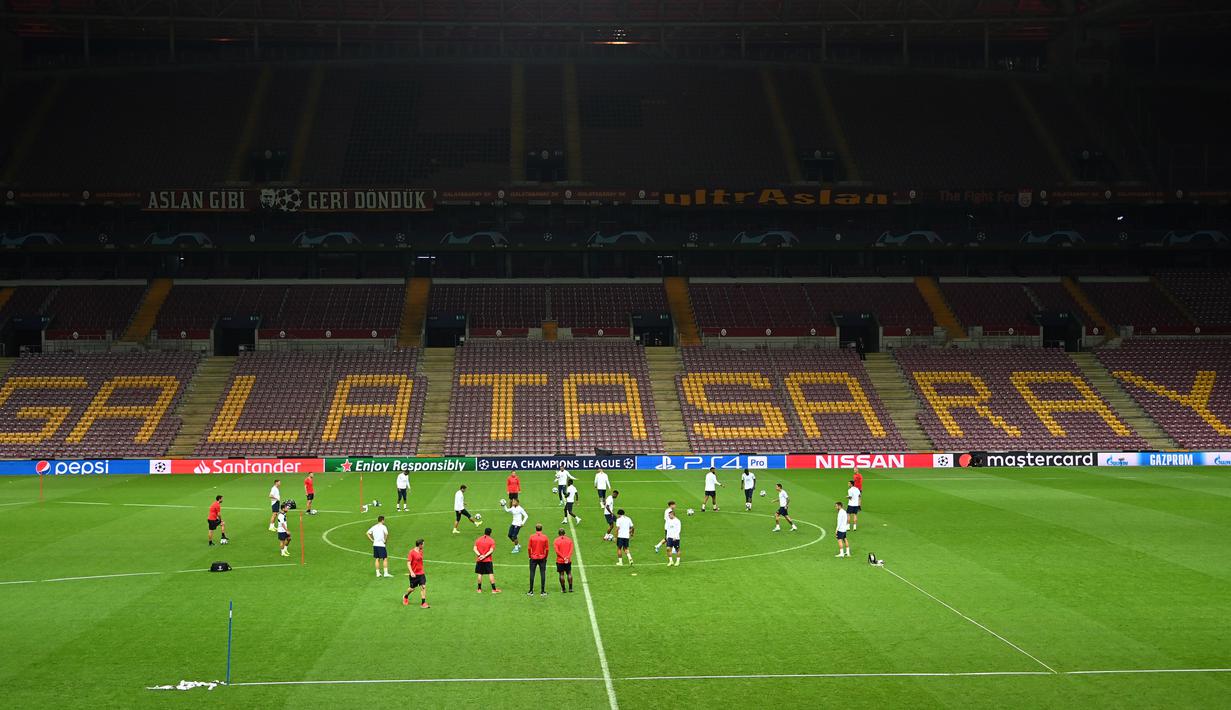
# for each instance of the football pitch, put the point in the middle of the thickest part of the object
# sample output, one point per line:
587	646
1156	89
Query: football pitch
1006	588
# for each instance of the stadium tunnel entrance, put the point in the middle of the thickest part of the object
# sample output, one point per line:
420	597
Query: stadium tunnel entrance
233	333
860	331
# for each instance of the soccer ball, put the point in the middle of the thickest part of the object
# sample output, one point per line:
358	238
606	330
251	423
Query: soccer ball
478	517
223	541
375	504
762	494
503	502
691	511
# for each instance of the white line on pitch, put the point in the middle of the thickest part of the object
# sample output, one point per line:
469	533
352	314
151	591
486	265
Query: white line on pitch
1151	670
598	637
415	680
923	591
20	502
170	505
82	502
137	574
757	676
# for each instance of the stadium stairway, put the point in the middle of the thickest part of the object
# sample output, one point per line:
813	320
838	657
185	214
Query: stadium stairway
1179	305
437	366
900	401
151	303
5	294
680	304
665	364
414	312
1121	402
1092	313
243	142
786	142
829	115
1042	132
197	411
5	364
941	312
303	133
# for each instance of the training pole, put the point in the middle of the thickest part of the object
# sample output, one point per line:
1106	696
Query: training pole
40	487
301	537
230	619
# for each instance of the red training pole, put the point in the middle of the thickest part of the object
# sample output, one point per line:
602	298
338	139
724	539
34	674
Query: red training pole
301	537
40	487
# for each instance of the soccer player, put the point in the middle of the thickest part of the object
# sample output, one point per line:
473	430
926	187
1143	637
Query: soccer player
570	497
309	492
673	538
484	548
215	520
749	480
562	479
513	486
844	547
379	535
784	502
853	494
275	503
601	484
459	509
666	518
624	533
520	516
711	489
609	513
564	559
418	580
857	477
284	534
538	560
403	488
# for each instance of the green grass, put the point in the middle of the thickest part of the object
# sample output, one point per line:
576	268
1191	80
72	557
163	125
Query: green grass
1083	569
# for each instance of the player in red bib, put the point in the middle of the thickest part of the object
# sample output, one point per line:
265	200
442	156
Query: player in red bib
215	520
513	486
857	480
309	491
484	548
564	559
537	547
418	580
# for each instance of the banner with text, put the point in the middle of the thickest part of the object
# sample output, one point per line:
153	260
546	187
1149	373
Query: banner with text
291	199
551	463
74	467
388	464
842	461
209	466
1165	458
703	462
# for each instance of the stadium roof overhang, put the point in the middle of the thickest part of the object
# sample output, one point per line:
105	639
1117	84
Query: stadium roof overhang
600	22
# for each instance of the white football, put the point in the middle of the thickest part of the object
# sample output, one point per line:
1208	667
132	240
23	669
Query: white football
503	502
478	517
762	494
691	511
223	541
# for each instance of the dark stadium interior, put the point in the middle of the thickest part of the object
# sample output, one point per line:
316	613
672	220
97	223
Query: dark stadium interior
675	226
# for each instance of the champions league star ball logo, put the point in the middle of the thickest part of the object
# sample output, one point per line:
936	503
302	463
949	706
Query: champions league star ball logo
285	199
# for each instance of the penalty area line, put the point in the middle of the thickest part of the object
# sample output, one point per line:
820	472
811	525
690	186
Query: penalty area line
598	637
936	599
379	681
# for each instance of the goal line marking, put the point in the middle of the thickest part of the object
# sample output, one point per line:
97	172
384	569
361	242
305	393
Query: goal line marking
936	599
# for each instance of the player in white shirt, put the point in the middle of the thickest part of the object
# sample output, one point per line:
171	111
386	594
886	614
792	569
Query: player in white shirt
562	480
284	534
601	484
459	509
853	496
624	534
275	503
749	479
673	538
670	511
609	513
844	547
784	502
379	535
520	516
711	489
570	498
403	489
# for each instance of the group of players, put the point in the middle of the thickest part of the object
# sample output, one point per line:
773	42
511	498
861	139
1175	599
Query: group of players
620	528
